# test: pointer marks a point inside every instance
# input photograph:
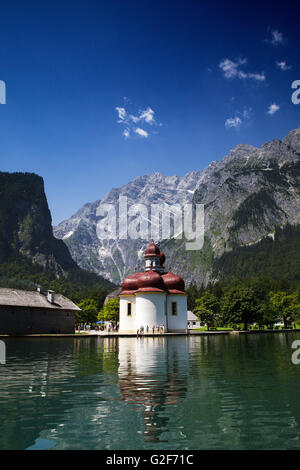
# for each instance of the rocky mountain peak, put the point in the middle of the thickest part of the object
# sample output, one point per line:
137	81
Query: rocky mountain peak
246	195
292	140
241	150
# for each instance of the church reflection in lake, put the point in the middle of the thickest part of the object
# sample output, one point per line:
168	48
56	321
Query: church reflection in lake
152	376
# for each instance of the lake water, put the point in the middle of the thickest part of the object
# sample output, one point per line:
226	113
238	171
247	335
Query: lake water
199	392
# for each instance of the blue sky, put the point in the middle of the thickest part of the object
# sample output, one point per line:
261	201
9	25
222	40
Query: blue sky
99	92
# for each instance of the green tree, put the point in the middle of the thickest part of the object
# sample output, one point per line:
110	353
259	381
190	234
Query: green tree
88	312
286	305
110	311
207	308
193	293
97	294
239	305
267	314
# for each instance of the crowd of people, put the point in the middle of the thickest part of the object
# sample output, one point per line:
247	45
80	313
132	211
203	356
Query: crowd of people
157	329
108	327
114	328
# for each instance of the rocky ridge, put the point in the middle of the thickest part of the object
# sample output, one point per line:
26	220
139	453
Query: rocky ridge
246	195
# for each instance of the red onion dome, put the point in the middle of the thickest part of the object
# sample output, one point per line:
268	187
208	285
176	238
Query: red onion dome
152	250
130	283
173	282
150	281
162	258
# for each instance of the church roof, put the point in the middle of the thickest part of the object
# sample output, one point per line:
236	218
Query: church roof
151	280
152	250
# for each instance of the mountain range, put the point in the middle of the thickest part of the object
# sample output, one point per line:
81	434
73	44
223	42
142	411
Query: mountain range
116	258
252	225
249	196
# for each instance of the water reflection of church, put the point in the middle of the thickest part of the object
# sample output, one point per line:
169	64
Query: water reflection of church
152	377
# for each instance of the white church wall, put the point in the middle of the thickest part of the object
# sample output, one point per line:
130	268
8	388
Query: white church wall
150	309
127	322
179	321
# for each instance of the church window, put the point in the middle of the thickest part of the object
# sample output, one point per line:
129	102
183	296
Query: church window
129	309
174	308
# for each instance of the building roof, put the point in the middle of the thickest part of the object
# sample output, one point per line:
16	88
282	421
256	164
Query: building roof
191	316
34	299
152	250
153	279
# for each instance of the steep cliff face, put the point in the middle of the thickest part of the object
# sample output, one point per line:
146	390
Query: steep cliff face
25	223
247	196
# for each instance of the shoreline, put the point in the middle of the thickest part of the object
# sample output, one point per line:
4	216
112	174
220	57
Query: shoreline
150	335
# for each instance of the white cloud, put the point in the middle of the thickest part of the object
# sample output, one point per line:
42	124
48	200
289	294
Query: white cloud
144	116
273	108
147	114
260	77
276	38
247	113
233	122
134	118
232	69
239	119
121	112
283	66
141	132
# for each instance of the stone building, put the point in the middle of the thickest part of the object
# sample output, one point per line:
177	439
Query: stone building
154	297
35	312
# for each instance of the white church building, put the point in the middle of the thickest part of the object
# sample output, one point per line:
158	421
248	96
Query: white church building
153	298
